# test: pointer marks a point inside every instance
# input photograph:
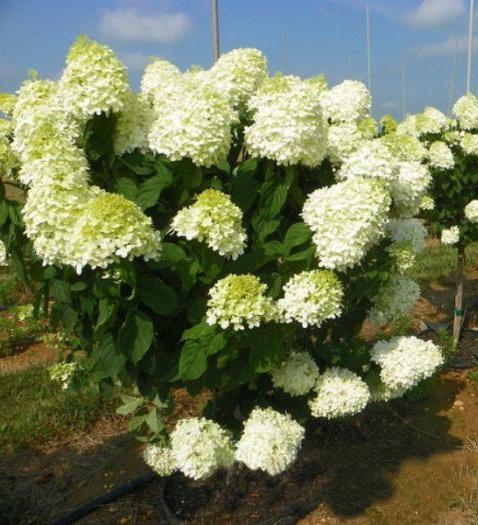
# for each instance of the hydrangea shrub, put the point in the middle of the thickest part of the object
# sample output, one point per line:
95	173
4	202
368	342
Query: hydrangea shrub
221	230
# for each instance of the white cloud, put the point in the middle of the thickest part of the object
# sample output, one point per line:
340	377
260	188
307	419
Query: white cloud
389	105
446	47
129	25
135	60
432	13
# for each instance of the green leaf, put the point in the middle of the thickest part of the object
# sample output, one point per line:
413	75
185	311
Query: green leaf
154	421
150	191
302	255
192	361
130	405
199	331
127	186
136	335
106	312
266	352
244	189
299	233
60	291
3	212
160	297
111	360
172	253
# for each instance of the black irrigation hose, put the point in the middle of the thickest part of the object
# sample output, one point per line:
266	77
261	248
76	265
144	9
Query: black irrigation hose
94	504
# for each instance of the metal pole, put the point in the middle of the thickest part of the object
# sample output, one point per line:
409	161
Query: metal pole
453	78
470	47
369	65
404	105
215	30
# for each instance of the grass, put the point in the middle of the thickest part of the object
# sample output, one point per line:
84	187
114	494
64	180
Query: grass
34	410
437	261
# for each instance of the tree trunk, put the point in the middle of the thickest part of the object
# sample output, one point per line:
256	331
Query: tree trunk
458	318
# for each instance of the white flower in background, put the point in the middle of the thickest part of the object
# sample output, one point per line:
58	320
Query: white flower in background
160	459
453	137
340	392
385	393
427	203
311	297
408	187
368	127
64	373
440	156
394	300
133	125
213	219
408	126
296	375
405	148
371	160
160	78
471	211
408	230
200	447
94	80
450	235
466	111
347	219
111	228
3	254
270	441
469	144
192	121
431	121
239	301
287	123
343	140
239	73
24	312
405	361
349	101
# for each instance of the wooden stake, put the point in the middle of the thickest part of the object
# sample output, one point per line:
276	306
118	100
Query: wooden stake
458	317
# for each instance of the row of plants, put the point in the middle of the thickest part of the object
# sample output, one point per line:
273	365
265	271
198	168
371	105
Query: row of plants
230	231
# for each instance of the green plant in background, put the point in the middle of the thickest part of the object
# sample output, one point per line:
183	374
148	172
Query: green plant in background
226	231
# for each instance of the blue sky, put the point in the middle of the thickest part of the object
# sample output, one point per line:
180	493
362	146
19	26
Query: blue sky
417	38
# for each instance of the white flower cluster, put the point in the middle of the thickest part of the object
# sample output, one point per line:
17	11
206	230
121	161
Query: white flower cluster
410	182
239	73
343	139
440	156
408	230
311	297
287	123
450	235
431	121
349	101
404	147
405	361
466	111
160	459
394	300
347	219
64	373
94	80
270	441
371	160
159	77
340	392
133	125
239	301
3	254
199	447
69	221
469	144
427	203
471	211
111	228
192	120
214	219
296	375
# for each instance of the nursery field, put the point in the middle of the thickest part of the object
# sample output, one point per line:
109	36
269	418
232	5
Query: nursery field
412	461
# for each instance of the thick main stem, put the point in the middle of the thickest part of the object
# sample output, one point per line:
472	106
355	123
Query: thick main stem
458	317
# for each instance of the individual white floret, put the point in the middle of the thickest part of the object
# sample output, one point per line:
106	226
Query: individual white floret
3	254
450	235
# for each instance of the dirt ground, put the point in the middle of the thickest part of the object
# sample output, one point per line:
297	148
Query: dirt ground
399	464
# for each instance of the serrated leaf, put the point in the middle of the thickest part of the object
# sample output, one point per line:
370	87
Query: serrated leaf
297	234
192	361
